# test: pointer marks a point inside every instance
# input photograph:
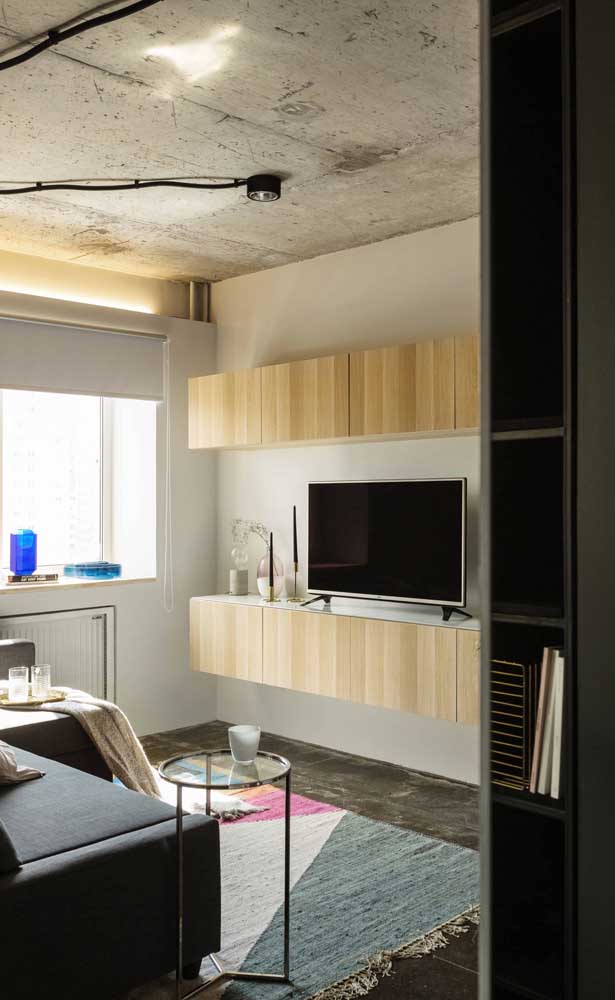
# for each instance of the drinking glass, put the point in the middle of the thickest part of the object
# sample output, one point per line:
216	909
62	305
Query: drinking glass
18	683
41	680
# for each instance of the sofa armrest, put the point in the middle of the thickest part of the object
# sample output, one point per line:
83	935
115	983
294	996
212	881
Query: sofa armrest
102	919
15	653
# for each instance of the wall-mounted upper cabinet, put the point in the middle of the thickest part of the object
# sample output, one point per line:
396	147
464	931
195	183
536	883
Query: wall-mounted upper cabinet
305	400
467	381
397	390
427	387
225	410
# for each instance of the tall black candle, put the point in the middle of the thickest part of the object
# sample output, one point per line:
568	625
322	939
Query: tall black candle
295	554
271	558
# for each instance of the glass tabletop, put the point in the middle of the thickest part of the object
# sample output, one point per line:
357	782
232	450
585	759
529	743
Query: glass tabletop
217	769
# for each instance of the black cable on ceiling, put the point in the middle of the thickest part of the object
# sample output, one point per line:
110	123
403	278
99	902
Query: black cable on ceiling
124	186
57	35
259	187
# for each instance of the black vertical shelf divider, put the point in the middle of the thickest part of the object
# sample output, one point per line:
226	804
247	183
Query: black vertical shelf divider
528	427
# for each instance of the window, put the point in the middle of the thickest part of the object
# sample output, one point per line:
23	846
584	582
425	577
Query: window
81	472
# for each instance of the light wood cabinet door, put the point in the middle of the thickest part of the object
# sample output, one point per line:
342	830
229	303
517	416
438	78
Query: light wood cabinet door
467	382
305	400
226	639
411	668
383	391
435	385
397	390
225	410
307	652
468	677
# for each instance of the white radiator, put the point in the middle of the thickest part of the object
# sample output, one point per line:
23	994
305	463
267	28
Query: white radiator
79	645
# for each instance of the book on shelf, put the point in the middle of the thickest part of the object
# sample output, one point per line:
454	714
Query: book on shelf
547	750
14	578
527	724
558	727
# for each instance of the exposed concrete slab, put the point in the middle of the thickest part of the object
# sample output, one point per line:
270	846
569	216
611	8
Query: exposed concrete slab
370	110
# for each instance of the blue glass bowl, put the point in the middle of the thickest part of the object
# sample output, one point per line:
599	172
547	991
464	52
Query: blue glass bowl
94	570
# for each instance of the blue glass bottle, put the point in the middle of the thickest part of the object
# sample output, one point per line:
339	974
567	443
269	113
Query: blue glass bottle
23	552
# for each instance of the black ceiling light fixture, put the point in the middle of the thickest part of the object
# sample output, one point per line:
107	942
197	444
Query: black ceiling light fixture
260	187
264	187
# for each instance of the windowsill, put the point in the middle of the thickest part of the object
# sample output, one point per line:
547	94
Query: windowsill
70	583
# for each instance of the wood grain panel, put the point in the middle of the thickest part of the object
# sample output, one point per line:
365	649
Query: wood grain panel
467	382
383	664
227	640
305	400
383	391
404	666
468	677
435	385
307	652
437	672
225	410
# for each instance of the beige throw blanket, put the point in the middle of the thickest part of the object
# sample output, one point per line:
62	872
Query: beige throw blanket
116	741
113	736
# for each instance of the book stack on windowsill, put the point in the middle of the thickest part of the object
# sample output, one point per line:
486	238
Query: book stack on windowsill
547	754
16	578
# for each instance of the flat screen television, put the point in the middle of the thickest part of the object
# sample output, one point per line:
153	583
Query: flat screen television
398	540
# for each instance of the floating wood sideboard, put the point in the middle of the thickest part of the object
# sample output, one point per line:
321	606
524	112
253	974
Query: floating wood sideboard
427	387
390	662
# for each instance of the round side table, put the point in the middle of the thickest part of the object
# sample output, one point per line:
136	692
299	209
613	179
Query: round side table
215	770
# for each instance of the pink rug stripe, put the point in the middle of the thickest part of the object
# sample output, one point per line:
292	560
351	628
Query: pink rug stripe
274	803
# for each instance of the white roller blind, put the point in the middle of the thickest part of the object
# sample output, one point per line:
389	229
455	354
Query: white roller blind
57	357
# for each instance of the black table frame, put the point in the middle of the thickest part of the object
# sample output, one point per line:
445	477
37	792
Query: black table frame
222	973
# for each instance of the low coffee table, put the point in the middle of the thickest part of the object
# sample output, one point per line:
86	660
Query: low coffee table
215	770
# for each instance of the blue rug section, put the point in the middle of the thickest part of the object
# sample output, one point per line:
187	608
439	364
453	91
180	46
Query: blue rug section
373	887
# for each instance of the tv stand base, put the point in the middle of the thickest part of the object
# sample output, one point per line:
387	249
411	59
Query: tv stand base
448	611
320	597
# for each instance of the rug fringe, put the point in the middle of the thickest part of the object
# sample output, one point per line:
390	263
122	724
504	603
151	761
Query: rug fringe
360	983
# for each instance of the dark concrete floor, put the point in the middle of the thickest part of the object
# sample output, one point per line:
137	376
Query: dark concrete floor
430	805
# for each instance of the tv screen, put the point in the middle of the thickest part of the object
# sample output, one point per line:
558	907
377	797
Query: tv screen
402	540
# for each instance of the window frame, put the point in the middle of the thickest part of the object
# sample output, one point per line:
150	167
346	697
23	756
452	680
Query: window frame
105	465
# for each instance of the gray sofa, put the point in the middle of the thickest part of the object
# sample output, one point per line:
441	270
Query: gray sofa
92	910
48	733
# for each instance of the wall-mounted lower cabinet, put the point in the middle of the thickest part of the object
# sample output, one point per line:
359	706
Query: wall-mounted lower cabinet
427	669
227	640
427	387
306	652
407	667
305	400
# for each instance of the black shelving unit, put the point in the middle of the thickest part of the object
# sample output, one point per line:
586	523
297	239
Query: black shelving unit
528	427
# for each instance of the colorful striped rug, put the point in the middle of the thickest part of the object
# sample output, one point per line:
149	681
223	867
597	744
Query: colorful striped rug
362	892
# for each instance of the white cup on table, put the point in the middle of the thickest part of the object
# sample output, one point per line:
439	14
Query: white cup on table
244	741
18	683
41	680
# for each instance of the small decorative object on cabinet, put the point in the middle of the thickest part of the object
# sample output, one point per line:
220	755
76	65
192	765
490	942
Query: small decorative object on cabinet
294	599
270	574
23	552
244	741
238	577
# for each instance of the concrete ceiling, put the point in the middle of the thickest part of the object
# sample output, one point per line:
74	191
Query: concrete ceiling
369	109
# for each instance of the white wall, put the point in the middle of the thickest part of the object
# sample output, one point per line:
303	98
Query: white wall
57	279
412	287
408	288
155	686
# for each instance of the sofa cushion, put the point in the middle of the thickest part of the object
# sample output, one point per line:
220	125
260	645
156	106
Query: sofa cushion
70	809
9	862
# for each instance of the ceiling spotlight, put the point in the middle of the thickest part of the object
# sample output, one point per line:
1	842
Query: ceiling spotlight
264	187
